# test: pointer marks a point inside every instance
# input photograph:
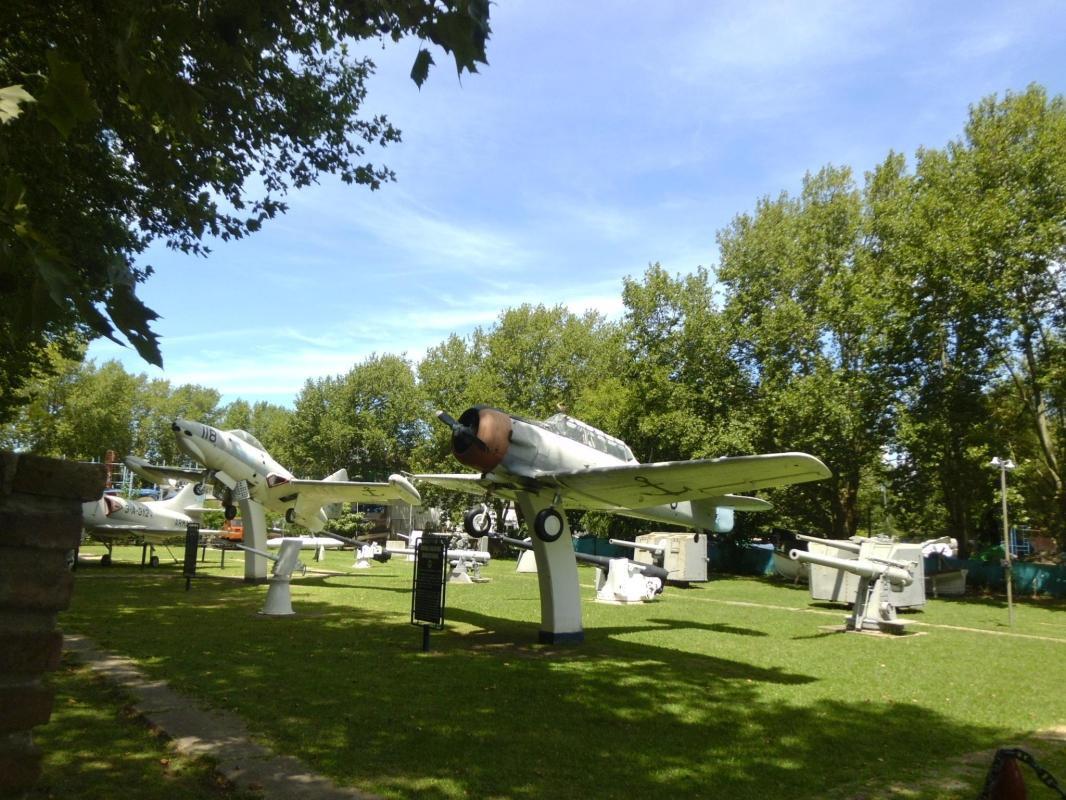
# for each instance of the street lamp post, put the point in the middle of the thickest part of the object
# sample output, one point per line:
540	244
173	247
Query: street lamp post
1004	465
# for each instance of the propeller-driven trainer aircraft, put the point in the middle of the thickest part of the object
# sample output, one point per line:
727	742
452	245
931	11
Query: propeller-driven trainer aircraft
561	463
112	519
241	466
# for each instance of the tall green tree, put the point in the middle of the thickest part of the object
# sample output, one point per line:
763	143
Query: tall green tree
538	360
808	312
688	395
129	122
367	421
974	241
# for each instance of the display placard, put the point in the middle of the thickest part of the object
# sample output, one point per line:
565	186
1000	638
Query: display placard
192	546
429	581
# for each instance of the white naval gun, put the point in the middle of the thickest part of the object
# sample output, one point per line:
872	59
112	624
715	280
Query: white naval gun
840	586
279	597
880	580
684	559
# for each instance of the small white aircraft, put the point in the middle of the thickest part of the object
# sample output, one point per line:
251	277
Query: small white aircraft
577	466
112	519
560	463
241	465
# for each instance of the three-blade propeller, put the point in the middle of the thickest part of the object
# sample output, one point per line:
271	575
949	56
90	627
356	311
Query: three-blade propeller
462	435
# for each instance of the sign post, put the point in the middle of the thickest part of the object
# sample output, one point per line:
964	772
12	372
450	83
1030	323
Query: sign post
192	544
428	584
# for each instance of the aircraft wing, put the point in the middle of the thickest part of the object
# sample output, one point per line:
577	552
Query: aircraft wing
739	502
159	474
312	494
644	485
469	482
116	526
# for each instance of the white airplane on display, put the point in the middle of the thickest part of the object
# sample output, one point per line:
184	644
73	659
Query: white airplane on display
563	463
245	470
158	522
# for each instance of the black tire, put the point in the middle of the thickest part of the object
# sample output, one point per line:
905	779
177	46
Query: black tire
198	489
290	516
105	560
477	522
153	561
231	512
549	525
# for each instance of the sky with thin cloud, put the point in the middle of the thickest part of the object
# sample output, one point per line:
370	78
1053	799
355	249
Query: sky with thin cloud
602	137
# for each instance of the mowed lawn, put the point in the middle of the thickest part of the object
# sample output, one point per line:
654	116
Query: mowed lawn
731	689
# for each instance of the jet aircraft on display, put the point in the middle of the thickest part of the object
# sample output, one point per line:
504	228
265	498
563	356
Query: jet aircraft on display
241	466
112	519
563	463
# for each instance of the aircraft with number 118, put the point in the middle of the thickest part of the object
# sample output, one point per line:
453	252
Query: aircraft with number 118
242	468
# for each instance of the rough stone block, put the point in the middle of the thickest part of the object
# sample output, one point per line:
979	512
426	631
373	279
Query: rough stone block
57	478
24	707
13	620
30	653
34	579
27	521
20	763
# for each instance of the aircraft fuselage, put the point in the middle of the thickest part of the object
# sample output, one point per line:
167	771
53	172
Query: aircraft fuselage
536	451
230	457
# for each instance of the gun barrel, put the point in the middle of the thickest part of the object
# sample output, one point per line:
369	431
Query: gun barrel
262	553
839	544
651	570
867	569
651	548
341	538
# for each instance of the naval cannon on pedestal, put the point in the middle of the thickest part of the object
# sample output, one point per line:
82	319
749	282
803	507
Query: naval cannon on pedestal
880	580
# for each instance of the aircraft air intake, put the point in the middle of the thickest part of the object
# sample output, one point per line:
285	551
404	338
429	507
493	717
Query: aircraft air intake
480	437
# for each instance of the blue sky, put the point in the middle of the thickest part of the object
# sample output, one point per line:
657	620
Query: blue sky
601	137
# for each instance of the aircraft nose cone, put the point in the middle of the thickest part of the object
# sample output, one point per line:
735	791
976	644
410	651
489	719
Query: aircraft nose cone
185	436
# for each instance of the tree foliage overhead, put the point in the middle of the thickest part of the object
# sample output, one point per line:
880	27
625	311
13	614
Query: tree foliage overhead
128	122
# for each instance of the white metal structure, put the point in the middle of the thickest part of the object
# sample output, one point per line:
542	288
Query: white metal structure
563	463
154	522
249	475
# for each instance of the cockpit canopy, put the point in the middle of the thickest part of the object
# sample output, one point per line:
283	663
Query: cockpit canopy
584	433
244	436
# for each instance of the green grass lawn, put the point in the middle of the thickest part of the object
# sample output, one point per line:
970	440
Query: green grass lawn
94	747
731	689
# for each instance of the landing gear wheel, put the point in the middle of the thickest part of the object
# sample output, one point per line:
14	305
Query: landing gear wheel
198	489
548	525
477	522
290	516
153	561
231	512
105	560
696	537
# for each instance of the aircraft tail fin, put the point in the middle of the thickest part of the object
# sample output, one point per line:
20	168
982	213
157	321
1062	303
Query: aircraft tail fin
187	500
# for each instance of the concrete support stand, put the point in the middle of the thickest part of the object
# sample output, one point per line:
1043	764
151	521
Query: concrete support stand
560	593
255	535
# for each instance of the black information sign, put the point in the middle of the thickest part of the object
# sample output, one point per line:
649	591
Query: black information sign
427	586
192	544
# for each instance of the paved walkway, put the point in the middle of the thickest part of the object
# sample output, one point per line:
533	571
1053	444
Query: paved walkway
222	736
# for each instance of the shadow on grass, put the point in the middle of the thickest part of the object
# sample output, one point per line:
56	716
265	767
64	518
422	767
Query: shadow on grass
487	713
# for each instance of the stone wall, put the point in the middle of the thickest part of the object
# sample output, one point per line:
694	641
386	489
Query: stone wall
40	523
